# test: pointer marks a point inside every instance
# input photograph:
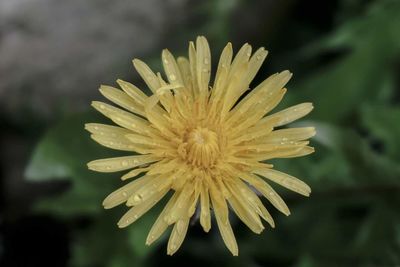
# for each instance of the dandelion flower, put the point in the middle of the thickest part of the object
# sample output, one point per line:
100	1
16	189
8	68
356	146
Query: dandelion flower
206	144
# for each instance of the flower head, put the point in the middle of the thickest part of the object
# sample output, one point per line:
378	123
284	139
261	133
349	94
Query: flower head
201	142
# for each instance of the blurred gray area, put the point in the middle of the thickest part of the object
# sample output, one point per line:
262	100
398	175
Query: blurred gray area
54	54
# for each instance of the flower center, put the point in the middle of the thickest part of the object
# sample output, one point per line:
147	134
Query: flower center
201	147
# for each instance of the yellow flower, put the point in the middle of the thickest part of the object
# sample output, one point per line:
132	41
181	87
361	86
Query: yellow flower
201	142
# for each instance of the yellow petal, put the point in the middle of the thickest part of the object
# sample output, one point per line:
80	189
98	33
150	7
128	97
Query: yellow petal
177	236
122	99
147	75
133	91
160	224
205	217
285	180
137	211
290	114
122	194
123	118
221	215
267	192
120	163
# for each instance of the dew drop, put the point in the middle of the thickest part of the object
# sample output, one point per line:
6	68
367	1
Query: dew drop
102	106
271	193
166	61
135	216
124	163
172	77
124	194
137	198
259	57
96	128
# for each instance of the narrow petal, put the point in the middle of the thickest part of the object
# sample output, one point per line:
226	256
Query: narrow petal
133	91
290	135
147	75
244	211
184	68
205	217
110	136
252	199
193	70
262	107
285	180
106	130
255	63
180	209
122	99
137	211
171	68
203	64
177	236
123	118
120	163
119	143
267	192
262	93
149	191
241	58
221	215
135	172
122	194
290	114
160	224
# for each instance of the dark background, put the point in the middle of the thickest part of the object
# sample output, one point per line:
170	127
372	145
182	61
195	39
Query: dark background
345	56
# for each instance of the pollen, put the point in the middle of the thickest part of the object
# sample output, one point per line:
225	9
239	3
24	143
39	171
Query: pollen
207	142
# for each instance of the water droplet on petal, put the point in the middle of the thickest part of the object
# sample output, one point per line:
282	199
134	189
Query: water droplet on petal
124	163
172	77
258	57
137	198
124	194
166	61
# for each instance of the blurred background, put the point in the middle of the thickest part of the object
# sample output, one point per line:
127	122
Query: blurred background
345	55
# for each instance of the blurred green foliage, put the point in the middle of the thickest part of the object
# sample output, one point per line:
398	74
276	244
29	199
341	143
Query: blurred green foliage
353	214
